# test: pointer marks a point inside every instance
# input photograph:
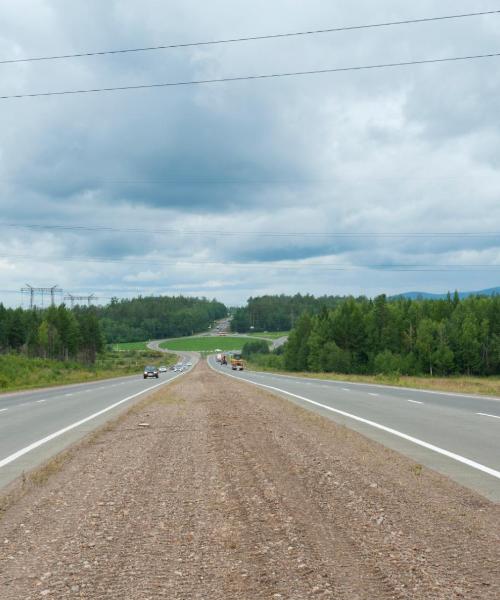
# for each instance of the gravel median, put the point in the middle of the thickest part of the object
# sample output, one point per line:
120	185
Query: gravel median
215	490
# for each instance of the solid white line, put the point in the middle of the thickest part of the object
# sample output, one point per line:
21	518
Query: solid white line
56	434
414	401
378	385
487	415
404	436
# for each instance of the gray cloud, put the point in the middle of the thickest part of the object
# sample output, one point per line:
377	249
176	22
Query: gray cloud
398	150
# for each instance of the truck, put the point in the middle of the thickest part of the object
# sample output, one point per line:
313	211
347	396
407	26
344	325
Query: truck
237	363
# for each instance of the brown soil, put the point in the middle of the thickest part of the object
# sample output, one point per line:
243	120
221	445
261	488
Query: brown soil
217	490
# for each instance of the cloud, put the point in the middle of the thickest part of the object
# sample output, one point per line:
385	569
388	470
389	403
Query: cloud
387	151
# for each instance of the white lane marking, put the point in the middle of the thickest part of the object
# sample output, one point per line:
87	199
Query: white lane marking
346	389
372	394
67	395
487	415
42	400
414	401
380	385
404	436
56	434
3	409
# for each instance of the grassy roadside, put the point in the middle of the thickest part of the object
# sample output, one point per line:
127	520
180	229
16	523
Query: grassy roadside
487	386
272	335
19	372
130	346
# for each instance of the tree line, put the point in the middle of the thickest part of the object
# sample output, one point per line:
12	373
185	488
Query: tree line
278	313
54	332
401	336
146	318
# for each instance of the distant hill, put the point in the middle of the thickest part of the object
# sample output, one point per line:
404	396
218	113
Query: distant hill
427	296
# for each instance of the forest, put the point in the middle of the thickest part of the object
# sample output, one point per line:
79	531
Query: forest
400	336
278	313
54	332
155	317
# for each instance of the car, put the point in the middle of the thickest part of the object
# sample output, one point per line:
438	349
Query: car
189	364
151	371
162	369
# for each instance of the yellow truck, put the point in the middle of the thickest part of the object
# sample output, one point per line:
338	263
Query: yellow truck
237	363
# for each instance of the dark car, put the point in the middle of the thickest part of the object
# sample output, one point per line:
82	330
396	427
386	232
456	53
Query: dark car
150	371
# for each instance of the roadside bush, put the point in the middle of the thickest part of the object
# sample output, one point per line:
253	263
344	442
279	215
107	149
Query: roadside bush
255	347
387	363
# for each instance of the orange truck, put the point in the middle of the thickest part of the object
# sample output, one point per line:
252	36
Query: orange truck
237	363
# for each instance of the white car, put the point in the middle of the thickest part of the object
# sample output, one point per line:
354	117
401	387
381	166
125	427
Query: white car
162	369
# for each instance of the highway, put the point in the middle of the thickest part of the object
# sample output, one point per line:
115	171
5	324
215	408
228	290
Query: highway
455	434
36	425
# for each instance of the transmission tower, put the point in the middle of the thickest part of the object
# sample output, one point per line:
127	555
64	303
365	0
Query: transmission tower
75	300
42	292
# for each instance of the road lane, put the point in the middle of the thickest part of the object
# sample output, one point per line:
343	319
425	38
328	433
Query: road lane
449	422
60	416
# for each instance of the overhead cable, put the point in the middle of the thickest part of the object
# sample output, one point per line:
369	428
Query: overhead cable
193	82
249	38
236	233
258	265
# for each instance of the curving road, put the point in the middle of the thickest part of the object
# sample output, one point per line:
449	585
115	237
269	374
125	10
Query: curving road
455	434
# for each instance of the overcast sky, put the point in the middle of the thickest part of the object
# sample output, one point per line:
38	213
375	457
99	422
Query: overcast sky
396	151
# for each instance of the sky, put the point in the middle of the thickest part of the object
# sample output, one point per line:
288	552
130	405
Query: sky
360	182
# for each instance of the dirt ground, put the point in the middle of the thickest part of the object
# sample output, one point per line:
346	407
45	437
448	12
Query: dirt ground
216	490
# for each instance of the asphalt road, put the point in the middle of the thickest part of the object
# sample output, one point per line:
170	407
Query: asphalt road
36	425
455	434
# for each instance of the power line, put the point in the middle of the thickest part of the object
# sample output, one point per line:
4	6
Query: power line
251	77
260	265
222	232
250	38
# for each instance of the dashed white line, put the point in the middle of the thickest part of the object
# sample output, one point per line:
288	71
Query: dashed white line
414	401
457	457
373	394
42	400
487	415
3	409
346	389
67	395
56	434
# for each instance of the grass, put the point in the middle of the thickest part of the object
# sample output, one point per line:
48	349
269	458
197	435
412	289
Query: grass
19	372
272	335
487	386
130	346
204	344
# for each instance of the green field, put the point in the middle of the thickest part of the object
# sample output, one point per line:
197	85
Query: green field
270	335
130	346
205	344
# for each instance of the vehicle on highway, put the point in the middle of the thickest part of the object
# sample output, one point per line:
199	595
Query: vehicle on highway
237	363
162	369
189	364
150	371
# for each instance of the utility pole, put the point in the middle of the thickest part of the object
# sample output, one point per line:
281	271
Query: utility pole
75	300
41	291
